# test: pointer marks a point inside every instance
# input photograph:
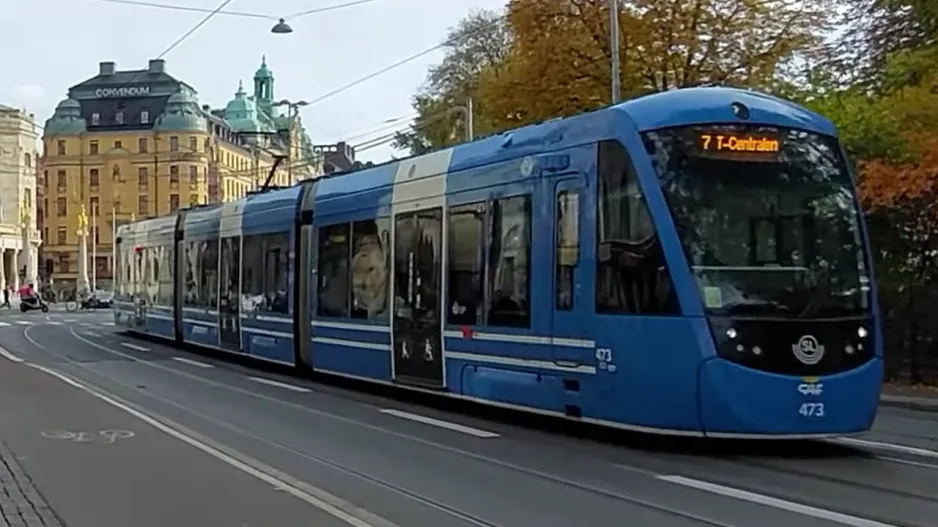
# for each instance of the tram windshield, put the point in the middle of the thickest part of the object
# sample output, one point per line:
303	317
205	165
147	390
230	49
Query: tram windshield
767	219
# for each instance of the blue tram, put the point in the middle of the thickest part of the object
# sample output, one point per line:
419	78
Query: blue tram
692	262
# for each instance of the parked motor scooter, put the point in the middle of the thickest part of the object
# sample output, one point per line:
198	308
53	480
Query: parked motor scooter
33	303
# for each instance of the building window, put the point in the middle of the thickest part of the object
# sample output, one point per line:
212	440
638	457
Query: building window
95	235
142	145
45	178
61	207
193	200
60	147
119	117
118	144
93	148
95	206
45	235
96	119
144	117
60	180
173	202
173	174
194	144
193	175
143	177
64	263
174	144
93	177
61	236
143	205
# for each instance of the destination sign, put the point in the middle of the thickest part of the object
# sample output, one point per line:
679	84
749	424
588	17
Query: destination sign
764	146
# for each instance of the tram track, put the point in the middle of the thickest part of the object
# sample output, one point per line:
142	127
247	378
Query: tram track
456	513
551	448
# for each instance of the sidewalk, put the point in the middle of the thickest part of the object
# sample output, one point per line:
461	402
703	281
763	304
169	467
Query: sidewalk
922	398
69	458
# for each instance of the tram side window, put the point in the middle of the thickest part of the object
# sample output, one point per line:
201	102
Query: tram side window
509	257
190	274
568	247
466	264
370	269
164	258
208	274
333	287
265	270
631	273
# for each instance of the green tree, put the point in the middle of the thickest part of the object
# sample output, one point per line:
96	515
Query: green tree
479	42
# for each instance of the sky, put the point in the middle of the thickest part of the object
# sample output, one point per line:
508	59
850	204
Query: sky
50	45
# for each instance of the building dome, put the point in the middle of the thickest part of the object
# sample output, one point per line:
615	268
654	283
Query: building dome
182	113
241	113
66	120
263	72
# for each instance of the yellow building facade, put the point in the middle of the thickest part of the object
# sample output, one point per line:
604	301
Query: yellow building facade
134	144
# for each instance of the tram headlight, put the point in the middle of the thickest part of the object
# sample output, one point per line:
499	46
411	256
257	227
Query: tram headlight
862	332
731	333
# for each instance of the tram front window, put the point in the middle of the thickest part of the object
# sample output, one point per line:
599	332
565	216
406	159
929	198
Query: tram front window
767	219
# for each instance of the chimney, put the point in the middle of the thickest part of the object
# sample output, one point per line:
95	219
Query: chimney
106	68
157	66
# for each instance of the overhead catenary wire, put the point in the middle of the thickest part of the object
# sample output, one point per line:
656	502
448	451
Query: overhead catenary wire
263	16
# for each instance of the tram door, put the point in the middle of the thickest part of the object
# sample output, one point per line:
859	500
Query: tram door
571	299
229	297
139	279
418	281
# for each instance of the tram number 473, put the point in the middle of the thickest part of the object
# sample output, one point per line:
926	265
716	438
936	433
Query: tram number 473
812	409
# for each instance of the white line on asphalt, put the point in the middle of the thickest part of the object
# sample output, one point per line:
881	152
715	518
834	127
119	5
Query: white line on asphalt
69	320
107	324
905	449
54	323
4	324
191	362
314	496
768	501
134	346
279	384
9	356
918	464
92	334
24	322
477	432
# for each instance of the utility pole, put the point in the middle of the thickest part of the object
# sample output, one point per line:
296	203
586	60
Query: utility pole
470	120
614	51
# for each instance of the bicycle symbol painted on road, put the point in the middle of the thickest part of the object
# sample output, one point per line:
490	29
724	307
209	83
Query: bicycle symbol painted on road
104	436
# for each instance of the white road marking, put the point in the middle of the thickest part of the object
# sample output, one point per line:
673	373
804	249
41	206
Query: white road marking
905	449
54	323
192	362
69	320
918	464
107	324
456	427
768	501
91	333
24	322
279	384
4	324
322	500
134	346
9	356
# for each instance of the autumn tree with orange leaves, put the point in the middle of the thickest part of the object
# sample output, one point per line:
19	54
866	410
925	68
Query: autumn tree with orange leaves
559	61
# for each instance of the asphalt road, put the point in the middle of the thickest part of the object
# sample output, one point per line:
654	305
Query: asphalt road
215	443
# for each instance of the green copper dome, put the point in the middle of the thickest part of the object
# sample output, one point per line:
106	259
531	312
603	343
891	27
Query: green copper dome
182	113
263	72
241	113
66	120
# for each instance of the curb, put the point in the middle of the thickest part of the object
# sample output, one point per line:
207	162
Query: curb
910	404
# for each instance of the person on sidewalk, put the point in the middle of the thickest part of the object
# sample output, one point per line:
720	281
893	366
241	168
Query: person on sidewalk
6	298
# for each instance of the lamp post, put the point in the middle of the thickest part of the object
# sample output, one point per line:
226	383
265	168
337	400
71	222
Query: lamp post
293	111
83	285
614	48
